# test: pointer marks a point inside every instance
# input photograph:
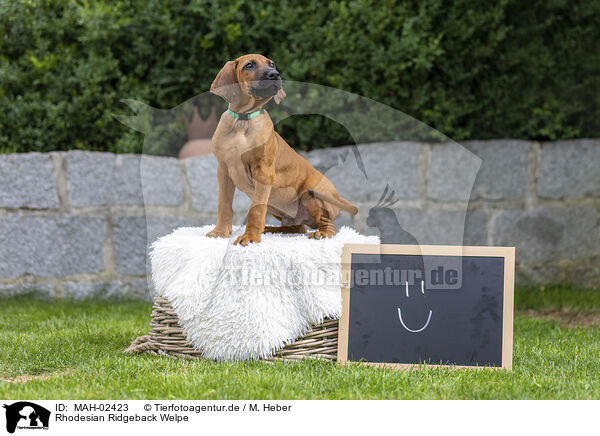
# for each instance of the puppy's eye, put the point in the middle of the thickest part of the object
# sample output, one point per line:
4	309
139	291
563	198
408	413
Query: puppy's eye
271	64
249	66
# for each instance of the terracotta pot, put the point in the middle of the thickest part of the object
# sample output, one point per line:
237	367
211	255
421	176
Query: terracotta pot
195	147
199	133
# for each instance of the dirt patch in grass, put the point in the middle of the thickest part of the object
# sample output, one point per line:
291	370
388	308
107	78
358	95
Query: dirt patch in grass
565	317
26	378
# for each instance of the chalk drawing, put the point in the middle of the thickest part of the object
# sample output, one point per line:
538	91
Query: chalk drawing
411	330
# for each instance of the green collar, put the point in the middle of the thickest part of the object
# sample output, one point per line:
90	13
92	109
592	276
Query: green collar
244	116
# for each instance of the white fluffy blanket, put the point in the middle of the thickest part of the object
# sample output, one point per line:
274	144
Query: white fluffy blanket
240	303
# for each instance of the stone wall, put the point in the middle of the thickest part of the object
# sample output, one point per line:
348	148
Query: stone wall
79	223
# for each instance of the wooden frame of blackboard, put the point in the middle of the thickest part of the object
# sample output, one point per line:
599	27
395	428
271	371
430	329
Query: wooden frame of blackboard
508	253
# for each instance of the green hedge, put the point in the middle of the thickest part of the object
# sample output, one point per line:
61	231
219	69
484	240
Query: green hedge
469	68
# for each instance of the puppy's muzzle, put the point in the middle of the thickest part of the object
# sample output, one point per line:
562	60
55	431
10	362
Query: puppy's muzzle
268	85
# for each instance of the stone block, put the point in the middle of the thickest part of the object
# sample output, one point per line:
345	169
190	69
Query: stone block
386	164
162	181
130	244
133	236
504	169
476	228
452	172
549	233
424	227
569	169
49	246
27	181
98	179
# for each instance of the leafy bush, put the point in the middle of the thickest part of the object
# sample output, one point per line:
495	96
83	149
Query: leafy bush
468	68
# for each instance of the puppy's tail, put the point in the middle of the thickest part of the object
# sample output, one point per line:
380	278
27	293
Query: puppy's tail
340	202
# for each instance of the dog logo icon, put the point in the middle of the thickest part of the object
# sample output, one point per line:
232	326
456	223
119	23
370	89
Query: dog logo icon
26	415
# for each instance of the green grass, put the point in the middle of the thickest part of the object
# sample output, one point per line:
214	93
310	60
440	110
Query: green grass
558	297
76	349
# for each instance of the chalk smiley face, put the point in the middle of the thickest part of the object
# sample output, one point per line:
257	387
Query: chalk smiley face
428	317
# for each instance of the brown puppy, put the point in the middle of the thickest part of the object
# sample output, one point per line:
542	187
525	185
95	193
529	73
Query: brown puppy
255	159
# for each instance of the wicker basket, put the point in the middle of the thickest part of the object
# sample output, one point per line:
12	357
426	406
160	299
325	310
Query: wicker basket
166	337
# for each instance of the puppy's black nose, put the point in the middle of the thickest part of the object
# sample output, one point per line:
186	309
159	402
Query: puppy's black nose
272	74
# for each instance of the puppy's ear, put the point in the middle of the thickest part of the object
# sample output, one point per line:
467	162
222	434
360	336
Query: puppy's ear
279	96
225	84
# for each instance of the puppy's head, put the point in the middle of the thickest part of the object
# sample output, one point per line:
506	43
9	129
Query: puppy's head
249	80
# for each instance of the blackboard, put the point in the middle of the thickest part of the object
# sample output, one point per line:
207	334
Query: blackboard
432	305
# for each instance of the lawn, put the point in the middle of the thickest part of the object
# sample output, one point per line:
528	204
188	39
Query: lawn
73	350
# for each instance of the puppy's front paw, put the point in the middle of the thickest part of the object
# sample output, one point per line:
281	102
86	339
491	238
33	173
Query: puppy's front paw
219	233
319	235
245	239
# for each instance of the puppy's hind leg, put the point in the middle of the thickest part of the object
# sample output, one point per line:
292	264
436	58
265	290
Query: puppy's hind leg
325	229
325	225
